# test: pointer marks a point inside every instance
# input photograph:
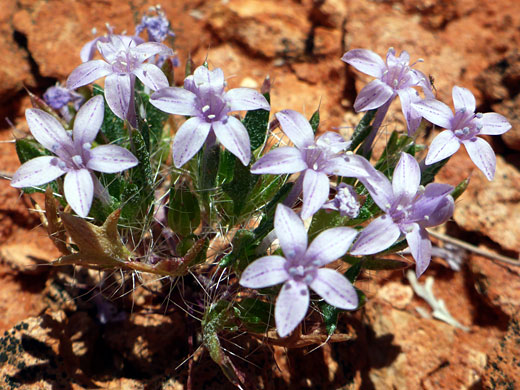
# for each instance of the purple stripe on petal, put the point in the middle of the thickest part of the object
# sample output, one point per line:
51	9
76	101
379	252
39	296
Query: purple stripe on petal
291	306
421	248
47	130
233	135
290	232
444	145
296	127
87	73
435	112
335	289
365	61
39	170
118	93
330	245
316	188
88	121
413	118
151	76
463	99
407	177
373	95
281	160
148	49
494	124
482	155
246	99
189	139
264	272
79	191
111	159
379	235
175	100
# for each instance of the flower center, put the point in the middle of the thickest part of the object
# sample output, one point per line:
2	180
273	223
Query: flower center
315	157
124	62
213	108
397	76
466	125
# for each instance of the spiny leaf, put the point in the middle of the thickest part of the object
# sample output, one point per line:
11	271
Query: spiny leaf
362	130
256	123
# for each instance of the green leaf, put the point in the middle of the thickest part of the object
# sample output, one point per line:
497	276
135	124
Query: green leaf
430	171
240	187
257	123
330	317
315	120
152	123
354	271
374	263
459	190
392	152
226	167
243	244
362	130
266	224
208	169
324	220
183	210
255	315
113	128
27	150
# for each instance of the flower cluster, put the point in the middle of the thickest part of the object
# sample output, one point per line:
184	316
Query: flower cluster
223	178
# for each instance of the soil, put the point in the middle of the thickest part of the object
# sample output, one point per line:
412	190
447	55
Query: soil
71	328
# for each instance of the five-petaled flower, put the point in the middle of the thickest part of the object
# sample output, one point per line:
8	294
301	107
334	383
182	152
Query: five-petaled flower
124	60
409	209
316	159
73	155
301	269
394	78
463	128
204	99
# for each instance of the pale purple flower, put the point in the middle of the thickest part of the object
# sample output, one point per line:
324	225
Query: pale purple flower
157	26
301	269
346	201
74	156
316	159
59	97
409	209
204	99
89	49
395	77
124	60
463	128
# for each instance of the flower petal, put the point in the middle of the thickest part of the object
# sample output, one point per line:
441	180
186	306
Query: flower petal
111	159
290	232
330	245
443	146
482	155
380	189
264	272
435	112
280	160
494	124
351	165
88	121
379	235
88	72
189	139
296	127
79	191
48	131
373	95
421	248
463	99
39	170
233	135
151	76
316	189
175	100
148	49
407	96
118	93
209	80
407	177
335	289
246	99
291	306
441	213
365	61
434	206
